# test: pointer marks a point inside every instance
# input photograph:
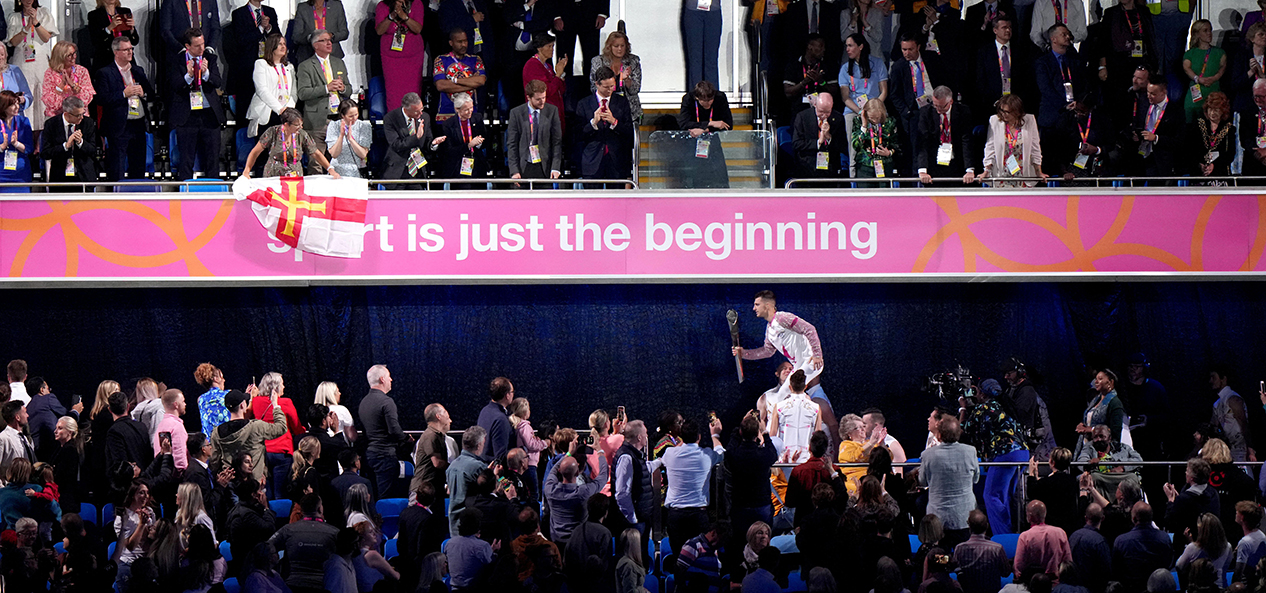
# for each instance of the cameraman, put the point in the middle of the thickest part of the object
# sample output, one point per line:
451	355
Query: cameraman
997	437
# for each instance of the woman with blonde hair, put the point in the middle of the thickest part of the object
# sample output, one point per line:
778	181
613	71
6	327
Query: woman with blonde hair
211	404
65	78
1209	543
1232	484
109	20
630	571
617	54
94	431
520	413
328	394
854	448
68	461
874	140
190	511
304	478
607	434
1204	65
31	27
147	405
758	535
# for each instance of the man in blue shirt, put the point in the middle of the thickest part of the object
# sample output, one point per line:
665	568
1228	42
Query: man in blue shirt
495	419
689	471
1141	550
467	553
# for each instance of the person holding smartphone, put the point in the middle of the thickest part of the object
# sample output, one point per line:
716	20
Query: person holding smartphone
171	428
242	435
107	21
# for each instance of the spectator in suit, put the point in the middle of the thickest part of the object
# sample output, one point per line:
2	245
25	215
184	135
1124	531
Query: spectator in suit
534	141
1069	13
321	83
819	136
467	157
1126	43
177	16
194	109
125	116
317	15
214	487
1253	132
938	23
910	83
128	439
527	21
70	146
1013	147
252	25
945	148
583	19
1002	68
106	22
805	18
470	16
1158	132
274	78
409	141
350	462
1065	95
607	135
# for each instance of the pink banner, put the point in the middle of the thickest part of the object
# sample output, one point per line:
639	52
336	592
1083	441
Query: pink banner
517	235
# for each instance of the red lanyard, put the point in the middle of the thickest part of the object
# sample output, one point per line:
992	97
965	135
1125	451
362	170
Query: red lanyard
1261	124
283	83
876	137
466	133
1085	132
697	114
1059	11
1207	52
320	17
1135	28
852	87
189	6
1002	73
1013	141
1151	127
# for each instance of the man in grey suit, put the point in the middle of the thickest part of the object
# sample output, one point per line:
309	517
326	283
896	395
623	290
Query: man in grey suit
409	142
321	83
534	142
948	471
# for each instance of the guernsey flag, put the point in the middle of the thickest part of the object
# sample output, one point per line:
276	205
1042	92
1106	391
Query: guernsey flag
317	214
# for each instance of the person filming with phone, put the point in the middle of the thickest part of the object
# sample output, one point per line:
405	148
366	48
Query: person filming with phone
171	428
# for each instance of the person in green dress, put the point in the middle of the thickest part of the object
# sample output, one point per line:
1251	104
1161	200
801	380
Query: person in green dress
286	144
874	139
1204	65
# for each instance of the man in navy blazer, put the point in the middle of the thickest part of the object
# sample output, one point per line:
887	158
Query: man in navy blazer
935	133
251	24
122	89
174	19
607	135
196	78
1057	111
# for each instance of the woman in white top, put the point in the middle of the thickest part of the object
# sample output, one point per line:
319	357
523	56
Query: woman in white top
132	522
866	18
358	506
1209	543
327	393
1013	148
190	511
32	27
274	79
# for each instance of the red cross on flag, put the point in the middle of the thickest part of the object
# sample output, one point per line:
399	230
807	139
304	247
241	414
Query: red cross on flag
317	214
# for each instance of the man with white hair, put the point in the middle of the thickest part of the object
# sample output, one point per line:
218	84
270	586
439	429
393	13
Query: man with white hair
634	495
382	428
1253	132
820	139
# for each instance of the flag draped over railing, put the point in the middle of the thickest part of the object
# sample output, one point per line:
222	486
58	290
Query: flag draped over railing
317	214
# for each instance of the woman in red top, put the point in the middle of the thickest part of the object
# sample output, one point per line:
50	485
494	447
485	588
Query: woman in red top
538	68
278	450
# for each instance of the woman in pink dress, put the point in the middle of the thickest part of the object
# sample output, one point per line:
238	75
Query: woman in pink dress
64	78
538	68
399	25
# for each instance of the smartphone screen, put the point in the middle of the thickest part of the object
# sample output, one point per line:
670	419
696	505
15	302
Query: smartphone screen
164	439
75	399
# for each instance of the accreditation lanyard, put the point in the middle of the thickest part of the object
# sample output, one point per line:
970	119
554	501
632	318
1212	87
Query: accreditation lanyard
1136	28
117	32
28	25
287	145
1013	140
189	4
876	137
1085	132
283	83
467	134
1205	64
197	69
852	84
319	17
1261	124
697	114
1059	11
619	82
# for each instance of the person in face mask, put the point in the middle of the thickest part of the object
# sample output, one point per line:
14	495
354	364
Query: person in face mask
1103	448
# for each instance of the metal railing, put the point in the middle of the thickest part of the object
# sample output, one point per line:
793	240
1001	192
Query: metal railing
1051	182
529	183
124	185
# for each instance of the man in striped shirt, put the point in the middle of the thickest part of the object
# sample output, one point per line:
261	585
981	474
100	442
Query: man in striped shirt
981	562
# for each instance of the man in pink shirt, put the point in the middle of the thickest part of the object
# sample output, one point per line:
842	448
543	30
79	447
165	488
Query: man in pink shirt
173	409
1043	547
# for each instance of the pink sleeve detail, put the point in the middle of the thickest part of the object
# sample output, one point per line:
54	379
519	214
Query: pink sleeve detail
802	327
765	351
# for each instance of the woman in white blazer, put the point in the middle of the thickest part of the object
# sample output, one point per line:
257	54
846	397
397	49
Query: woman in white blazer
1013	148
274	87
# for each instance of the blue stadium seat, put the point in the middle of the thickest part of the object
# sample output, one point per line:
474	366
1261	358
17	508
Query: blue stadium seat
391	549
389	509
408	469
205	188
226	551
1176	583
1009	542
281	507
914	543
175	153
244	145
107	514
110	549
59	548
652	583
444	545
88	512
1007	580
231	586
670	584
377	98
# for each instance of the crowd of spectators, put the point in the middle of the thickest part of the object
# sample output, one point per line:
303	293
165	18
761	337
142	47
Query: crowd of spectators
947	93
267	495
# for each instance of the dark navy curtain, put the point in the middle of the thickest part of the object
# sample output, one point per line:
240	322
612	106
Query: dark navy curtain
574	348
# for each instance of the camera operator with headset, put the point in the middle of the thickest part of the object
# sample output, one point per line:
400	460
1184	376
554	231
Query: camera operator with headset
990	426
